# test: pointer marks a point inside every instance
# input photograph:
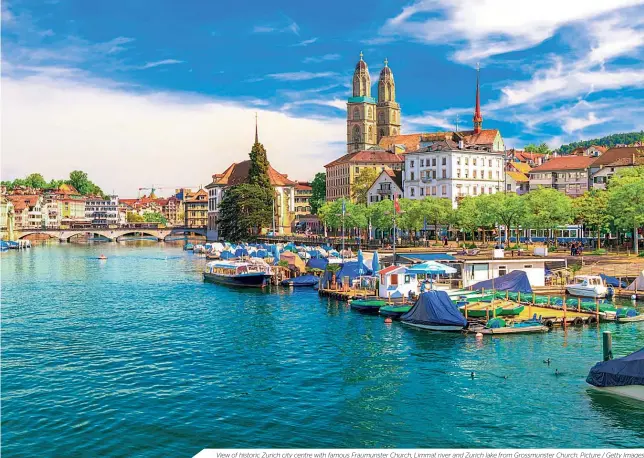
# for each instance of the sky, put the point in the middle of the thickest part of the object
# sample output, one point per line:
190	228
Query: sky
165	93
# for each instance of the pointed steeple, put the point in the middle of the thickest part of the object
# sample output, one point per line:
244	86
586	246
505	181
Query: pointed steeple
256	134
478	119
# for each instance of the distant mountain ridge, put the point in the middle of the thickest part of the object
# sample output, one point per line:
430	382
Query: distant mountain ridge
628	138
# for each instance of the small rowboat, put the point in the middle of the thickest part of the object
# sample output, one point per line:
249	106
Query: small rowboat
628	315
394	311
498	326
367	305
498	307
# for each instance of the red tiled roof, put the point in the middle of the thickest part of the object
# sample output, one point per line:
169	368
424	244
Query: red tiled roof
194	197
368	157
621	157
237	173
303	186
20	202
485	137
411	142
396	176
386	270
564	163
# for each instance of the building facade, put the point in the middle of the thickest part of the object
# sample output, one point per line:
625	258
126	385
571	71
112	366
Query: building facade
369	120
452	171
102	212
27	211
611	162
196	210
387	186
568	174
342	173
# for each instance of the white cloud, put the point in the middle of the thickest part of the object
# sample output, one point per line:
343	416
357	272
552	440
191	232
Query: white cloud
482	29
263	29
160	62
300	76
125	140
334	103
306	42
573	124
291	27
318	59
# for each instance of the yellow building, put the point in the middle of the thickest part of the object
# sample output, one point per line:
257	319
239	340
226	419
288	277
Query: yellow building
196	209
342	173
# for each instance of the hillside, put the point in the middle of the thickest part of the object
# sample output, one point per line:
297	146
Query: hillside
610	140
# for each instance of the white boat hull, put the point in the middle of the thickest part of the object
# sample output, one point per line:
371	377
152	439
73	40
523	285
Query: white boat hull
587	291
628	391
431	327
630	319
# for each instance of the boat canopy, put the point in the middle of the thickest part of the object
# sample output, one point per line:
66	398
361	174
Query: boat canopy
303	280
431	268
317	263
628	370
227	255
348	269
638	283
612	281
516	281
435	308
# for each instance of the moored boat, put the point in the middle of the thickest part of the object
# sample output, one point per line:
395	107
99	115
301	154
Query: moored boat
435	311
490	309
628	315
499	326
188	246
236	273
301	281
371	306
394	311
621	376
587	286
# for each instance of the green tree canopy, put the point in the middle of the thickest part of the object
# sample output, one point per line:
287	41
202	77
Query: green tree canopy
591	210
243	212
508	209
35	180
331	214
468	215
132	217
437	211
318	194
362	183
154	217
626	201
547	208
79	180
541	148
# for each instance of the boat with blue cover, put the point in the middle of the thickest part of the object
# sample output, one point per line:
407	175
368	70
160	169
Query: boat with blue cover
435	311
621	376
253	273
301	281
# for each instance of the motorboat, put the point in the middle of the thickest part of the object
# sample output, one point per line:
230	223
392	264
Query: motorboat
499	326
587	286
253	273
621	376
434	311
371	306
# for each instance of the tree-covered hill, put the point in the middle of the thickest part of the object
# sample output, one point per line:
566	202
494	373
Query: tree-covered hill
610	140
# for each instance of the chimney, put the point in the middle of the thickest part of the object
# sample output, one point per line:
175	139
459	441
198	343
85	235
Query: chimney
460	144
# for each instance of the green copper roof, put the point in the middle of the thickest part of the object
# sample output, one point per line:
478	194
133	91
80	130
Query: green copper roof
362	99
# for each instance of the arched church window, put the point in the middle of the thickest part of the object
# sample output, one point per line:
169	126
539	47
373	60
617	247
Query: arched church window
356	114
370	113
382	133
395	131
363	86
356	133
371	134
381	118
388	92
356	86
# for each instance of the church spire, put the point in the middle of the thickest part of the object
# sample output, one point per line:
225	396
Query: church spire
256	135
478	119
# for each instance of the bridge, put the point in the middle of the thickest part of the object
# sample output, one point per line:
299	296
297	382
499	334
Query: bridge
113	235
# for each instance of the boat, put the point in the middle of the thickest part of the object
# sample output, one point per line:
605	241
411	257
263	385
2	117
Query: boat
371	306
494	308
301	281
102	257
587	286
435	311
188	246
394	311
499	326
621	376
238	273
628	315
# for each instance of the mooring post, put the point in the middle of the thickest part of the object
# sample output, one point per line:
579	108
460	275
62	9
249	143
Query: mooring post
607	345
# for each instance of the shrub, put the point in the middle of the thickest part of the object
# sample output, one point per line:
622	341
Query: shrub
598	252
471	246
641	255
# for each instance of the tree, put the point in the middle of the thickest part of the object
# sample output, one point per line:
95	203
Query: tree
35	180
258	171
438	211
132	217
411	217
542	148
507	209
381	214
362	183
318	194
78	179
468	215
243	212
625	202
547	208
154	217
591	210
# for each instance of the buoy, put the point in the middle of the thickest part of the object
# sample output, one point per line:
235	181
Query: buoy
388	320
479	335
634	297
472	375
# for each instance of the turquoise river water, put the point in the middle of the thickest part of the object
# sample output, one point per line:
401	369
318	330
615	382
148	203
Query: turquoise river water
137	356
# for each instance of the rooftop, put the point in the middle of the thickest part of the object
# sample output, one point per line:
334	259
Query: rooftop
372	156
237	173
518	177
564	163
412	142
621	157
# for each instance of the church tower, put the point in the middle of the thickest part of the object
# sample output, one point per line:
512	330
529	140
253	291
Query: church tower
478	119
361	111
388	111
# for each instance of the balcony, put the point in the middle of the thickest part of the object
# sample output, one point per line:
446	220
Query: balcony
383	191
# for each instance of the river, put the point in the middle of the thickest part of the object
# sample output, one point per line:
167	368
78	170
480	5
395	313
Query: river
137	356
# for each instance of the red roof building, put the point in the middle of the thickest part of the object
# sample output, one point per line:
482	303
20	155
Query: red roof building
568	174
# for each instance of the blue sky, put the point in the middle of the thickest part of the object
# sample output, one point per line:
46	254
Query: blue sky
164	92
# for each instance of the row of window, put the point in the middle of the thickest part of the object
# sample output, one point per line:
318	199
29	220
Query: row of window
381	115
466	160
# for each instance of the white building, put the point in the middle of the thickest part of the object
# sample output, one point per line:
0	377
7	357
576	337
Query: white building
452	170
397	282
102	212
611	162
386	186
477	270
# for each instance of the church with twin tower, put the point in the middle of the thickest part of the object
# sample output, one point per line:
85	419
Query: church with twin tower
369	120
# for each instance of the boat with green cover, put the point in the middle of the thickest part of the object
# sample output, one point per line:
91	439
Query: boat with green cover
367	305
500	326
394	311
497	307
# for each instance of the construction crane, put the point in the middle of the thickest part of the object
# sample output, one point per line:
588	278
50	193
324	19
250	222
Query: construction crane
155	188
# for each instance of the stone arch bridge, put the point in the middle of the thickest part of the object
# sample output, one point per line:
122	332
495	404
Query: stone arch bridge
113	235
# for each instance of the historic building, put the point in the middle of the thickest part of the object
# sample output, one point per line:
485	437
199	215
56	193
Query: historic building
611	161
568	174
102	212
237	173
369	120
387	186
196	209
303	194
